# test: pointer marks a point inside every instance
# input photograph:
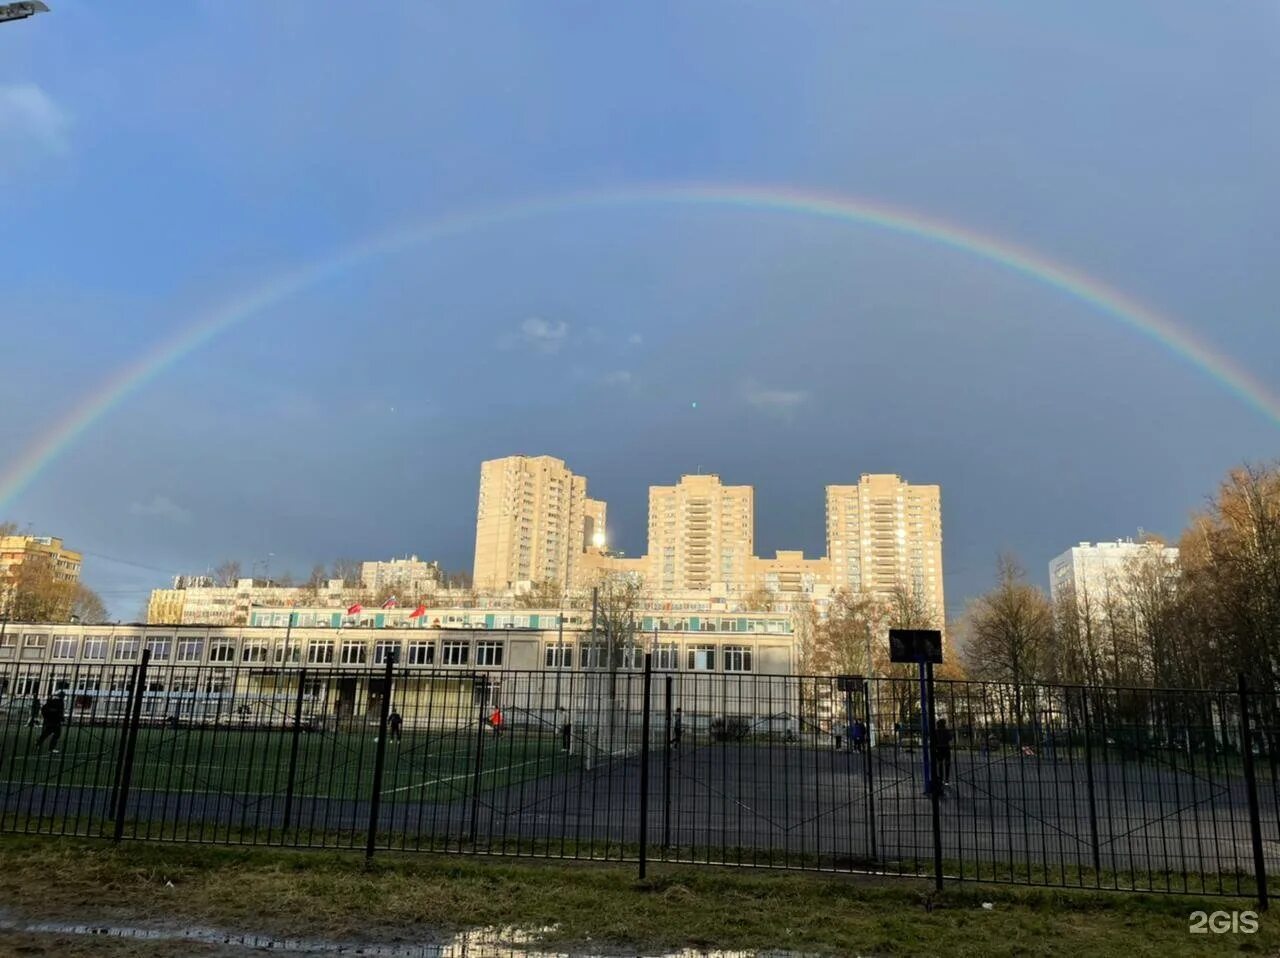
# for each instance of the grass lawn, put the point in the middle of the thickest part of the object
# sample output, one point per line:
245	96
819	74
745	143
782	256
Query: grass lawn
426	765
417	898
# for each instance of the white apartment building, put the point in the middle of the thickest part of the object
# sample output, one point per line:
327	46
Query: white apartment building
409	577
1098	571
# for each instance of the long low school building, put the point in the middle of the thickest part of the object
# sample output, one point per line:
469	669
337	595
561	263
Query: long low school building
450	667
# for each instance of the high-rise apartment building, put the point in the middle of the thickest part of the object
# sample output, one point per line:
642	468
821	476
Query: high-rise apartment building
885	533
533	523
593	528
701	533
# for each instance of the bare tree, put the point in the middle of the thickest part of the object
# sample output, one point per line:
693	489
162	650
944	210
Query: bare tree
227	573
546	594
846	638
349	571
87	606
759	599
1008	631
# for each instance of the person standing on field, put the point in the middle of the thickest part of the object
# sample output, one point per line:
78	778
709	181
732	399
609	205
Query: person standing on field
495	720
35	711
53	713
395	723
942	749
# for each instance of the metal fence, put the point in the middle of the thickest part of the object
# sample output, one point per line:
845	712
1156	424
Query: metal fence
1106	788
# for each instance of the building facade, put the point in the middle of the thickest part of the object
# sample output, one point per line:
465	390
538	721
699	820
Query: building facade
790	574
194	600
1096	573
16	551
885	534
534	523
447	664
701	533
407	578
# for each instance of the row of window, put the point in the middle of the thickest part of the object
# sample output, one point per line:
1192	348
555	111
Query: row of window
124	649
666	657
482	652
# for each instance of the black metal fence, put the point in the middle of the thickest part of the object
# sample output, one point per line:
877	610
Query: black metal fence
1123	789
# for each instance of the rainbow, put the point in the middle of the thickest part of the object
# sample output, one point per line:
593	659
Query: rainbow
844	209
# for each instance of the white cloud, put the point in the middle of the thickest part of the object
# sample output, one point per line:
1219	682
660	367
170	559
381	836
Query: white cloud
619	377
160	507
779	402
543	335
635	339
32	125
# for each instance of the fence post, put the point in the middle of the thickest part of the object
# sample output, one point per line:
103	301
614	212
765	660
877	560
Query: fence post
475	776
379	758
1088	776
644	763
935	786
131	741
1251	786
666	772
870	765
293	749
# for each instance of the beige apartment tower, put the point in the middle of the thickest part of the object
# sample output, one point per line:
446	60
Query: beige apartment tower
533	523
886	533
701	533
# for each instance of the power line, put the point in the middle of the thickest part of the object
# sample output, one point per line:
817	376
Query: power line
129	562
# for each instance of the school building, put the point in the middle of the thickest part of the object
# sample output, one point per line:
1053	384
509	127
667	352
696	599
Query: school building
450	665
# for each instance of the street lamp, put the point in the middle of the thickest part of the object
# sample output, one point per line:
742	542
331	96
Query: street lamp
20	11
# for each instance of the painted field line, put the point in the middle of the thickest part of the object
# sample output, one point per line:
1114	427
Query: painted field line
455	778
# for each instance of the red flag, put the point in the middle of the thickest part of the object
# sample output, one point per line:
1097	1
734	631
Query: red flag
418	612
355	609
390	603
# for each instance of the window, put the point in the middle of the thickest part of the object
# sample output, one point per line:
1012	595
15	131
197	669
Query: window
559	657
489	652
702	658
126	649
255	650
384	650
64	647
190	650
737	658
7	644
666	656
422	653
455	652
34	644
354	653
632	657
88	682
289	652
27	685
319	653
159	646
94	649
222	650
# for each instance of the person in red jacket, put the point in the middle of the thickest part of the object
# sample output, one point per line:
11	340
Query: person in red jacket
495	720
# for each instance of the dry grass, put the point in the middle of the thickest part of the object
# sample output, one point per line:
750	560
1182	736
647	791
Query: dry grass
416	898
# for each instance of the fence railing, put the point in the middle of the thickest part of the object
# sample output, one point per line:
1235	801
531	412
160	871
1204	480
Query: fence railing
1106	788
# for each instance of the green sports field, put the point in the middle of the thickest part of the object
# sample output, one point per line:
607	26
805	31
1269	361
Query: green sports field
425	765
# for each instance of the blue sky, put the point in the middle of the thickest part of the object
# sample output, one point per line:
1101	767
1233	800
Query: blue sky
160	159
